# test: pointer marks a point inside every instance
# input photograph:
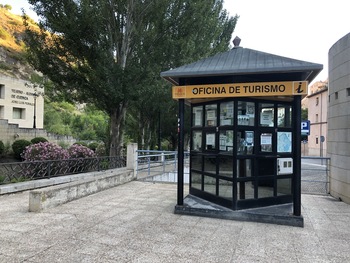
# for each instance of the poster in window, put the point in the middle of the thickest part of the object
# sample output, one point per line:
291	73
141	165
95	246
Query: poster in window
284	142
266	142
210	141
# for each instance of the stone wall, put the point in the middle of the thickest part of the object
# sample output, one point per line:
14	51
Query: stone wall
339	118
11	132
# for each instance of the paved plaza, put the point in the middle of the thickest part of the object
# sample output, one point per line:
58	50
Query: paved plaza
135	222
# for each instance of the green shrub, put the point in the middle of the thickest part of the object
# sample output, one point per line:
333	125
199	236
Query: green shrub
38	139
101	150
81	143
93	146
2	148
18	148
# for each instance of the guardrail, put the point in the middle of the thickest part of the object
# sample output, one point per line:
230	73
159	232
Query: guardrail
25	171
152	163
162	166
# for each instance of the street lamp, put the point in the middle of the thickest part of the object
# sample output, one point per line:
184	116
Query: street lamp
35	95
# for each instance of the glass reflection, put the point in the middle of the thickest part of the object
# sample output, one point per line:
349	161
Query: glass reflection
266	115
225	189
210	185
225	166
226	113
197	116
284	116
245	113
245	190
284	186
210	115
196	140
196	180
226	141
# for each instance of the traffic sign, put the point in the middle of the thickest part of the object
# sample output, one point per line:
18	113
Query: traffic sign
305	128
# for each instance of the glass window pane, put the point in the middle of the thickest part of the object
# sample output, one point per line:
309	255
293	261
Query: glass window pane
225	166
17	113
266	115
196	162
210	185
197	116
245	113
266	166
245	190
284	115
284	186
225	189
210	142
245	142
266	142
196	180
265	188
244	168
226	141
226	113
196	140
284	142
210	115
210	164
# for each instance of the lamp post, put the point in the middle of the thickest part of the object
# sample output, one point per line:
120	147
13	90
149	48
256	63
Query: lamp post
35	95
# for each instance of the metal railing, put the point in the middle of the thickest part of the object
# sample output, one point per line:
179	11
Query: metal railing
315	175
25	171
152	163
162	166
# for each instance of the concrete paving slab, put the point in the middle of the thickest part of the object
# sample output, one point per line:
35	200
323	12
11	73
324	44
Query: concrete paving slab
135	222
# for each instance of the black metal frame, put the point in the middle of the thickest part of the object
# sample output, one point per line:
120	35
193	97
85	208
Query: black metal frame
257	157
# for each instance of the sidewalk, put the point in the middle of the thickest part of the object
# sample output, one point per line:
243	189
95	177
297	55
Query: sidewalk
135	222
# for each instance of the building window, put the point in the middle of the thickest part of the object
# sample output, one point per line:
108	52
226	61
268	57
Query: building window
348	92
1	112
18	113
2	91
336	95
317	100
316	118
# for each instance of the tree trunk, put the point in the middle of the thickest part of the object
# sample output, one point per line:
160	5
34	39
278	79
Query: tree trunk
117	118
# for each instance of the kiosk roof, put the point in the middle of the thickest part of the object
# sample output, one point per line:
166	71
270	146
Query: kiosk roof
241	61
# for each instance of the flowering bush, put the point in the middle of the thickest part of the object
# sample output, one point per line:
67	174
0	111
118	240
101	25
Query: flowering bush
44	151
80	151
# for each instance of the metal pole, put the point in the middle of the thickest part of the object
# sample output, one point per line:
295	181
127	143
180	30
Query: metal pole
297	157
34	117
180	168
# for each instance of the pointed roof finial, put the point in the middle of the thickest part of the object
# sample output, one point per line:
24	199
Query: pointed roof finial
236	42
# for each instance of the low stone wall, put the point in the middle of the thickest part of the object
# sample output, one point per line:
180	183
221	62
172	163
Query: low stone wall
52	196
12	132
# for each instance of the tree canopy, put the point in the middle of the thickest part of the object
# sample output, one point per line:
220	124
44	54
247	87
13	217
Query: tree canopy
110	52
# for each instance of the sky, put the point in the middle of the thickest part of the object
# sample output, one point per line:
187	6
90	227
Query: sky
298	29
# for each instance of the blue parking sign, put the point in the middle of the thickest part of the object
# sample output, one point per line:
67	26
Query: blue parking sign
305	128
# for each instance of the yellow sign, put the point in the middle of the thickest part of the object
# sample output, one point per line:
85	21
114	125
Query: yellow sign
256	89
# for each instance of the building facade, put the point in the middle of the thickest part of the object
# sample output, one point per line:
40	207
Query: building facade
317	104
21	103
339	118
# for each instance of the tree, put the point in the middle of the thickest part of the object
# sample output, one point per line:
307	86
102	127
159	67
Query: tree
107	52
304	114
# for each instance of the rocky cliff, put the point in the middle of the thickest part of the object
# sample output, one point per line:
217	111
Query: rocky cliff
12	48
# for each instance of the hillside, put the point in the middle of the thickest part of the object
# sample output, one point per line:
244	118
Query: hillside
12	48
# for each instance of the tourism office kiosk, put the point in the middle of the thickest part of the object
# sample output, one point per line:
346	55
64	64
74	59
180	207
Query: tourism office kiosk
245	141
